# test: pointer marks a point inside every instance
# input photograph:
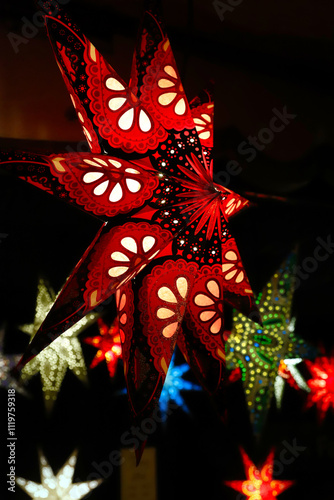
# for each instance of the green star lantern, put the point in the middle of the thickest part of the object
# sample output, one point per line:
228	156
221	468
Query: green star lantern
258	351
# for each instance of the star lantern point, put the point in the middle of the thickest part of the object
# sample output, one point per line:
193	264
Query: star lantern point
164	247
259	484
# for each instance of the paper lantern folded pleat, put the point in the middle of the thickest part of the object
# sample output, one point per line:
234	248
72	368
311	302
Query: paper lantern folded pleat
165	220
110	115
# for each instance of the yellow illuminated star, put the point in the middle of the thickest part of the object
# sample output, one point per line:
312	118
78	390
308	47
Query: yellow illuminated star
59	487
7	363
65	352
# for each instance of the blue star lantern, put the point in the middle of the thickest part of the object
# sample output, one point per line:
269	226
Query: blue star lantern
174	384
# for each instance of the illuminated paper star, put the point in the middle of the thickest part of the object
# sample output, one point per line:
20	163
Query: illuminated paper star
260	484
174	384
164	246
59	486
65	352
289	373
321	385
108	344
258	351
7	363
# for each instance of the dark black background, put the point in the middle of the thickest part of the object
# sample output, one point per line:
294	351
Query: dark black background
263	55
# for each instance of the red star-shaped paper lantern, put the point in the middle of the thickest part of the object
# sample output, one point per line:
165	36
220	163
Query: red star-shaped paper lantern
108	344
260	484
149	178
321	384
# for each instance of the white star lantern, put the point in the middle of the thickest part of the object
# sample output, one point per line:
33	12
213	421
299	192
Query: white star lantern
59	486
